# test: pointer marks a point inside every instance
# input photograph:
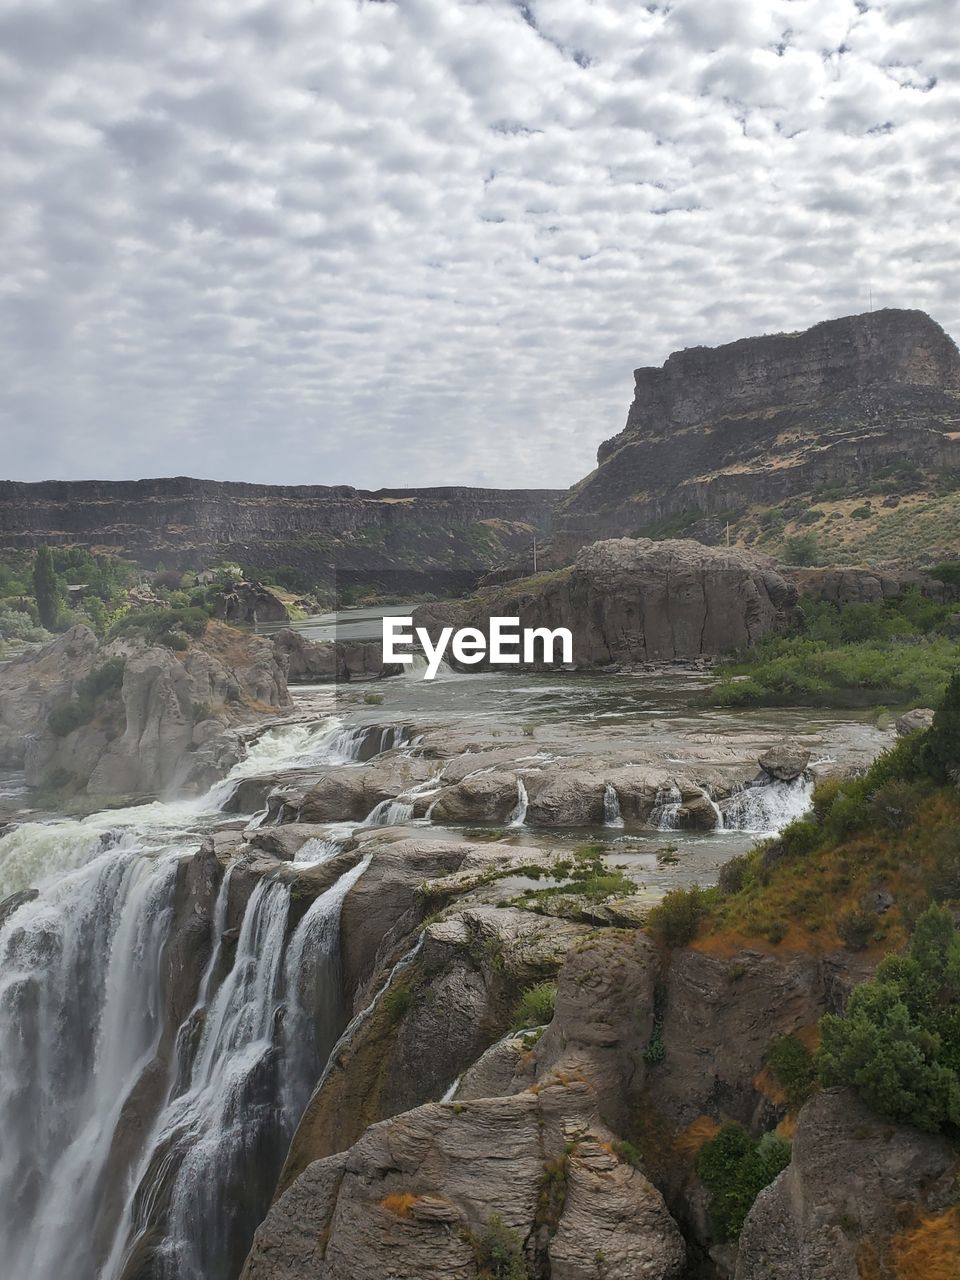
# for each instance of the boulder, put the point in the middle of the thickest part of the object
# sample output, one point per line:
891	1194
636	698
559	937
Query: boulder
250	603
913	721
785	761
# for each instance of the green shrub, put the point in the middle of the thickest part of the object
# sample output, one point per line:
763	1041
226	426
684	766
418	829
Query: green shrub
948	572
862	513
373	699
799	838
895	803
735	1168
175	640
397	1001
99	683
941	754
733	874
677	917
535	1007
855	928
801	549
154	623
898	1043
945	878
792	1066
499	1253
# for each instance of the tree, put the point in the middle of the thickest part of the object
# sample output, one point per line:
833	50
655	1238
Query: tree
46	588
942	748
898	1043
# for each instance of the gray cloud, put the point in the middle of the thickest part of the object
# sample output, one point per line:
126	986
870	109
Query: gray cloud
428	241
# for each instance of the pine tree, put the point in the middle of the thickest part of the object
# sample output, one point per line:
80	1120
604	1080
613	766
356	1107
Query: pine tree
46	588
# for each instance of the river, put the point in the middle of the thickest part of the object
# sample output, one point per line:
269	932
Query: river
145	1074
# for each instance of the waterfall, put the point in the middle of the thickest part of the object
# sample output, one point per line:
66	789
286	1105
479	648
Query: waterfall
395	812
131	1143
221	1136
768	805
519	815
81	1014
313	980
611	807
388	813
302	745
666	807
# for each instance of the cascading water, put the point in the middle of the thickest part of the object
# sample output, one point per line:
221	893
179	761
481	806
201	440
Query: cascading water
127	1141
767	806
519	815
612	816
666	807
81	1013
401	808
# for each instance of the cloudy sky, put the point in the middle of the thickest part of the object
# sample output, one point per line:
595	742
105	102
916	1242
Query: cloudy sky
427	241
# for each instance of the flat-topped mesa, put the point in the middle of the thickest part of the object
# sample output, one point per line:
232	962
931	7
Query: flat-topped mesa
761	419
882	349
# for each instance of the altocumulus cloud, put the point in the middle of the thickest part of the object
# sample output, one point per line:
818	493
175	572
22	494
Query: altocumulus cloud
427	241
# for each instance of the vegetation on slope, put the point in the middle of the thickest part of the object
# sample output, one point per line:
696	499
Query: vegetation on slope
896	653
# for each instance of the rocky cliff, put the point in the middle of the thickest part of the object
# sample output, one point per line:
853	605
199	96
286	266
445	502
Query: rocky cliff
635	600
857	405
405	539
129	717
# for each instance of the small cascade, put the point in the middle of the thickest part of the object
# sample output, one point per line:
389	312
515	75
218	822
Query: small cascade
389	813
611	807
666	807
519	815
768	805
401	809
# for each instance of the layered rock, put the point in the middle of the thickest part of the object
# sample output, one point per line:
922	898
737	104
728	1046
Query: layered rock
400	539
635	600
163	724
860	1197
762	419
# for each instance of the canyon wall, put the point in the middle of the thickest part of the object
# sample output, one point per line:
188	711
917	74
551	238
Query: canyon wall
403	538
754	422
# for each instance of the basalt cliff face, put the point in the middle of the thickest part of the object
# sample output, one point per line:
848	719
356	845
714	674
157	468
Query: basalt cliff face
718	430
404	539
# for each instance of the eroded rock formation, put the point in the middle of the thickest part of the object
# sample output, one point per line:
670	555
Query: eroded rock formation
634	600
759	420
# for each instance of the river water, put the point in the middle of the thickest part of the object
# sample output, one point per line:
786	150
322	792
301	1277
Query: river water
142	1128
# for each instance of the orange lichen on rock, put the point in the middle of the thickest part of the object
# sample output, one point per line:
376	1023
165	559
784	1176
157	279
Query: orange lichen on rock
930	1250
399	1205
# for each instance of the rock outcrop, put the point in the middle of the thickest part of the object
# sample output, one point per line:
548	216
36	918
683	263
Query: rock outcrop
857	1193
634	600
759	420
418	1197
161	723
250	603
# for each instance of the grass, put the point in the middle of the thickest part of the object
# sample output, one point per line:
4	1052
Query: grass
896	829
